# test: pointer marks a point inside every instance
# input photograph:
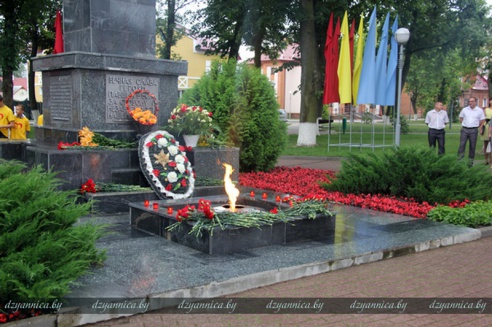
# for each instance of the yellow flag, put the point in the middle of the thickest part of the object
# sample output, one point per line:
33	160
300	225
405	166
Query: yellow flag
344	74
358	61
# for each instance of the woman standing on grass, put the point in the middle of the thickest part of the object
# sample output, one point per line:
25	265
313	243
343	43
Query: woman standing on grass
485	132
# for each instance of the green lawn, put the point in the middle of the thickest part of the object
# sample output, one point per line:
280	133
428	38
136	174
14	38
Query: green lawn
382	138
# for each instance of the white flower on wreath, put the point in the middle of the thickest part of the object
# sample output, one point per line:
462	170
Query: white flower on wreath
179	159
172	177
173	150
181	168
162	142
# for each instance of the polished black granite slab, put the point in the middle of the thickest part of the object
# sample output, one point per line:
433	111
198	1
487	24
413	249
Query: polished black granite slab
230	239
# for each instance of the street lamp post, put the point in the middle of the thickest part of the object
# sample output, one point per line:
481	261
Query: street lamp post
401	37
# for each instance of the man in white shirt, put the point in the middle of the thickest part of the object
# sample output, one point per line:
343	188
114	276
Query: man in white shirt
437	119
472	118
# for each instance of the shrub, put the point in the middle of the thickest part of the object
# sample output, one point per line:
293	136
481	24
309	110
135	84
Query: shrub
418	173
245	108
474	214
42	252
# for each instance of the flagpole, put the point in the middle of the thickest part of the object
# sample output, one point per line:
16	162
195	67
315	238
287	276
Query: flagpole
401	36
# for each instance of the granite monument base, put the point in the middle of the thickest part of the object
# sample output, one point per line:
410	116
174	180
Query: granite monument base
13	149
75	167
90	89
207	162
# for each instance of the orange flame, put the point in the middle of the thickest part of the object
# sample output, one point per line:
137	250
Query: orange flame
230	188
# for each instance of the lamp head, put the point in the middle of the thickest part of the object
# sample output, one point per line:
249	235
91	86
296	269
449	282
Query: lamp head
402	35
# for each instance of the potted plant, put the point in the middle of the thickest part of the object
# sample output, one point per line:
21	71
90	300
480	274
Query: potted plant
191	122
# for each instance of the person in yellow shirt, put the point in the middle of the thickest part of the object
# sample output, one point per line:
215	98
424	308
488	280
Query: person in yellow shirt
21	124
40	120
6	119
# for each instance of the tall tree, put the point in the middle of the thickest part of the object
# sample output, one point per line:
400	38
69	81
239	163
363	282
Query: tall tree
310	82
265	29
227	24
169	25
221	24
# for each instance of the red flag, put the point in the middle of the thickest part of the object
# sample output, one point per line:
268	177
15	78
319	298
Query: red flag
328	60
331	56
58	34
334	77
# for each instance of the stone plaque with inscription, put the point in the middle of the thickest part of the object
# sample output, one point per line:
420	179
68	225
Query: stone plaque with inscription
119	87
61	98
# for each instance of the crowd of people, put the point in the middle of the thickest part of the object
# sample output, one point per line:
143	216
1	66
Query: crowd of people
14	126
474	121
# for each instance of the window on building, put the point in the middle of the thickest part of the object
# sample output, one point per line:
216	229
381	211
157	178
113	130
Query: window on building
208	65
485	103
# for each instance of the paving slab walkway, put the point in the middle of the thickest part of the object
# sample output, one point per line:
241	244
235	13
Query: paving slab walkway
461	271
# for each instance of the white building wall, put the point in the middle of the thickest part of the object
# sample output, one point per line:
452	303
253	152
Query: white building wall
292	92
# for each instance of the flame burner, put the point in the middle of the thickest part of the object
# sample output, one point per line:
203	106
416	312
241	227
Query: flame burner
239	208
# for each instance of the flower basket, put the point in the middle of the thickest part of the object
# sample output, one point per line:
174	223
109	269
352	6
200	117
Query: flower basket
142	106
190	120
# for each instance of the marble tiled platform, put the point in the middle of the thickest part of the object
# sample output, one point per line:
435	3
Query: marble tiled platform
141	265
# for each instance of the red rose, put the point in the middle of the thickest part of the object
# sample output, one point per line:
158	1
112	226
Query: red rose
173	117
169	187
149	144
210	114
209	213
156	172
159	136
183	182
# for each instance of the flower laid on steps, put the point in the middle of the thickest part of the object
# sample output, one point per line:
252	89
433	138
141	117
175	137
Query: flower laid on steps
92	187
94	140
85	136
205	218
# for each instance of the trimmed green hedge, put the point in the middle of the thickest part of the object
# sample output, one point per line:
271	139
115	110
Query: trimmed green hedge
42	251
413	172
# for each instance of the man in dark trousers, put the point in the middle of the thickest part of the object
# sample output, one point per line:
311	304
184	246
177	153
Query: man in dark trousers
472	118
437	119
